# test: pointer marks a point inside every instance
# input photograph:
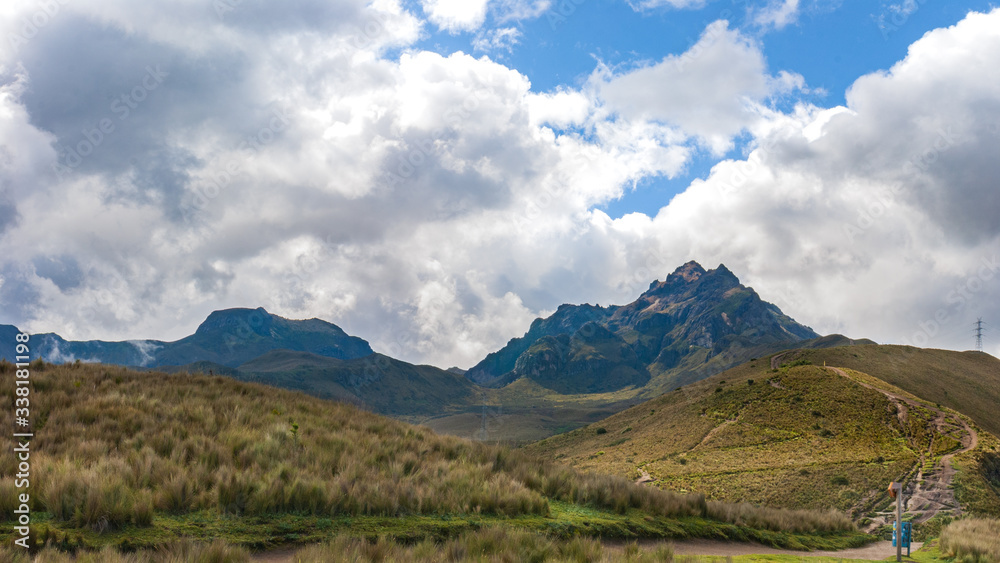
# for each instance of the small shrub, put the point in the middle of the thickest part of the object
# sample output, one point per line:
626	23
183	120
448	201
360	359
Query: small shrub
601	430
839	480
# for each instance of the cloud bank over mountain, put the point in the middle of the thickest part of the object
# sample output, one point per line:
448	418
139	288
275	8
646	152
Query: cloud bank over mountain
160	162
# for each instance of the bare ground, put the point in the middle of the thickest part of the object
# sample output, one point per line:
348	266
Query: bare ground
877	550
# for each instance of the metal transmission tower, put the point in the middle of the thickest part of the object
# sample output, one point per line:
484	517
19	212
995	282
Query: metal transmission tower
979	334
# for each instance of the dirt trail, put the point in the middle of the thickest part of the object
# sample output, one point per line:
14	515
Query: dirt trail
877	551
776	360
928	493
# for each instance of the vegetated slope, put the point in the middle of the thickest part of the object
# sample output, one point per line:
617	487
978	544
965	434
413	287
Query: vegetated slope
229	337
692	324
968	382
122	457
376	382
798	436
525	411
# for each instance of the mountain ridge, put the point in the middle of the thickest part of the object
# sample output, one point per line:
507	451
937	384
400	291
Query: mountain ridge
693	312
228	337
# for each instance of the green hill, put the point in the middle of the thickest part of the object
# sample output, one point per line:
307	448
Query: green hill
796	436
968	382
375	382
139	459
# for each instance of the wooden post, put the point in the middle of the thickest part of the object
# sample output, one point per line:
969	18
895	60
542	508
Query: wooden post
896	492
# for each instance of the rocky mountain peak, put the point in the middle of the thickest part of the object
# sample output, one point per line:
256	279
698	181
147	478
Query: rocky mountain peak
689	272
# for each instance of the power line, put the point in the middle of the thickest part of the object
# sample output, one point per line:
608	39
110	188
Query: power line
979	334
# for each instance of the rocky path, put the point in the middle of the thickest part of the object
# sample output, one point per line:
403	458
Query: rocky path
929	493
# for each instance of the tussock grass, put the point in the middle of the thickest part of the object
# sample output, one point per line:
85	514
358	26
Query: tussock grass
975	540
181	552
486	545
490	544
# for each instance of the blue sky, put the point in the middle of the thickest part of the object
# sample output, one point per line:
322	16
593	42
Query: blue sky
432	175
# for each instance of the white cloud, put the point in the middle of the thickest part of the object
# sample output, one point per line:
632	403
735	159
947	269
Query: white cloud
456	15
777	13
435	204
713	91
642	5
502	39
508	10
565	108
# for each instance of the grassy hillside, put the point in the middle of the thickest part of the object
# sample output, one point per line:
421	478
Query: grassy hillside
968	382
145	458
525	411
375	382
797	436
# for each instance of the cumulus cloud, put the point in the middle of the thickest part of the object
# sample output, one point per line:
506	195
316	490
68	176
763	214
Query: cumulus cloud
435	204
870	219
456	15
712	91
777	14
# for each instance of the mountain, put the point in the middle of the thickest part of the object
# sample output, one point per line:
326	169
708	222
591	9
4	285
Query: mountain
229	337
794	433
235	336
687	327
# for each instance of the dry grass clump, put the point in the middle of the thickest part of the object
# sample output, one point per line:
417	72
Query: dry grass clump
181	552
487	545
795	521
975	540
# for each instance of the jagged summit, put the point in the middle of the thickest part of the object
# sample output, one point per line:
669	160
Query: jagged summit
692	318
691	277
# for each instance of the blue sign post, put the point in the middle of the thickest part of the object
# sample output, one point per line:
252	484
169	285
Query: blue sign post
907	534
